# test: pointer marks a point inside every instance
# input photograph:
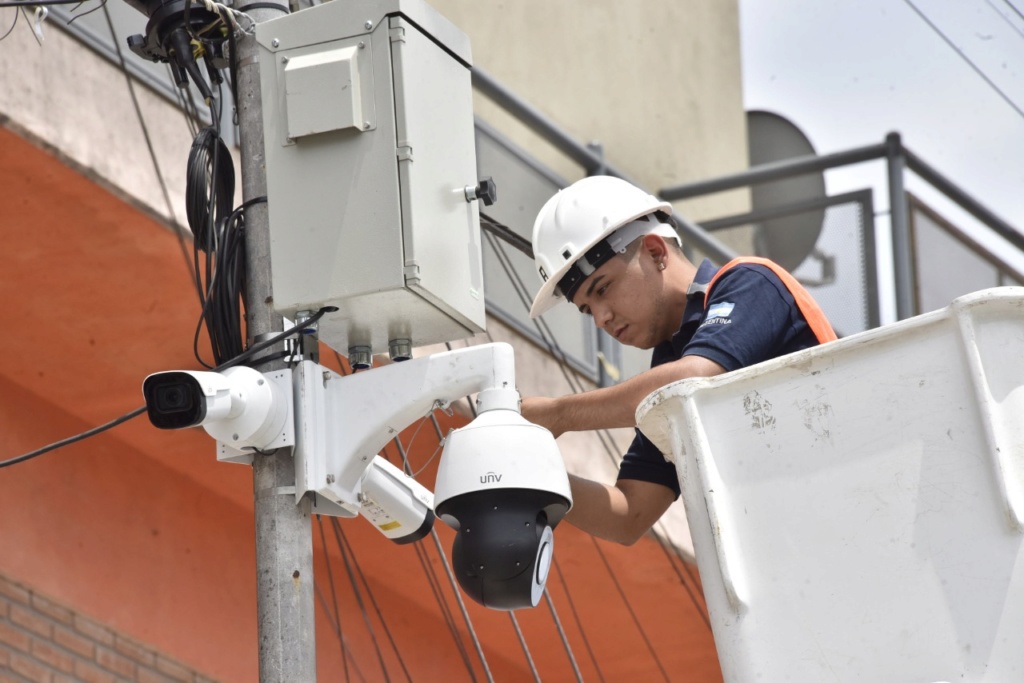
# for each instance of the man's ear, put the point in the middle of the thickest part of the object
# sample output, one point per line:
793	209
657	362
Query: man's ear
655	246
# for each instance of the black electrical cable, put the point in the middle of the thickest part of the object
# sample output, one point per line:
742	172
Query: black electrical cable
178	229
336	526
701	607
524	646
14	23
183	96
245	355
561	634
462	607
264	5
579	621
270	358
435	583
506	233
233	72
376	607
210	182
74	439
541	325
219	233
97	8
341	639
37	3
629	608
267	343
334	596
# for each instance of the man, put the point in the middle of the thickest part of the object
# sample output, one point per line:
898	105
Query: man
607	247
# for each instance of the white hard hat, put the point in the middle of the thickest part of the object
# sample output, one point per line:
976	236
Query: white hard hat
583	226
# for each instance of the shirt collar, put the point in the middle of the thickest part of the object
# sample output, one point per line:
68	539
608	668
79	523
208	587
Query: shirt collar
692	314
696	293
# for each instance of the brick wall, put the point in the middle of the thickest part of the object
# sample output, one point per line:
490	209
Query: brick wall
43	641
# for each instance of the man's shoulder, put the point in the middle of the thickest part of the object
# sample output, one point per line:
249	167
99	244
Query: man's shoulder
747	278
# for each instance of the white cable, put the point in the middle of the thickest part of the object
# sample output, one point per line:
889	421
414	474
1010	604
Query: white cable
232	16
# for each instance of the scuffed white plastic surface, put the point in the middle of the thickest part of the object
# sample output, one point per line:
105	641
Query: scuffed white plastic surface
857	508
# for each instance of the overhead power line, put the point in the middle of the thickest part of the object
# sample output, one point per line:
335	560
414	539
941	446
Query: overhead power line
965	58
1007	19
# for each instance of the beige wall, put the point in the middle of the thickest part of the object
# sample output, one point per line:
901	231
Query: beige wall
657	82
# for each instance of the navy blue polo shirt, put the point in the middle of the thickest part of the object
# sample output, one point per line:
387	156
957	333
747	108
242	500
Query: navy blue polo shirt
750	317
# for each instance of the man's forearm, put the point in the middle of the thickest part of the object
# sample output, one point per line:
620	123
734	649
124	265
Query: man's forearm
615	406
621	513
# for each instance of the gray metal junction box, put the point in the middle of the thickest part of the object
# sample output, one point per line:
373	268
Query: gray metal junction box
368	127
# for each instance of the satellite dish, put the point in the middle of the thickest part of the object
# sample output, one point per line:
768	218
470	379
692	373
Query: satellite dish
790	239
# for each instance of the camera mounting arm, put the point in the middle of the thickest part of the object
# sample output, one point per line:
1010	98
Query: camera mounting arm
501	484
344	421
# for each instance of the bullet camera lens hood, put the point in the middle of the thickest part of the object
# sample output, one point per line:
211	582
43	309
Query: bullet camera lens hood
174	400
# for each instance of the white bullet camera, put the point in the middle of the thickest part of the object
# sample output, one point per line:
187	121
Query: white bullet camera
395	504
241	408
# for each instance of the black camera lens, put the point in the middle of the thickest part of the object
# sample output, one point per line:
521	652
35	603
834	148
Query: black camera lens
174	400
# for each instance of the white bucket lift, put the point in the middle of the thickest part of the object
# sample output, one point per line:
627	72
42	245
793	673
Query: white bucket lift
857	509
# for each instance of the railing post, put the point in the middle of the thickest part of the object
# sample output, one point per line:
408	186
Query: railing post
899	225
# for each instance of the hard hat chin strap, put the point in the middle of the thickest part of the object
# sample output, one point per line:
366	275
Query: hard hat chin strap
604	250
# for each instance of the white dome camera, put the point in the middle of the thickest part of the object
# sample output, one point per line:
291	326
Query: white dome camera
502	486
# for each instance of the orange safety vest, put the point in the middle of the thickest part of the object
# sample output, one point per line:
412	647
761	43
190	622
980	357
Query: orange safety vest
812	313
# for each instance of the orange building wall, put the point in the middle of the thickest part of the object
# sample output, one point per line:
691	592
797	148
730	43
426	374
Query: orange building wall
145	533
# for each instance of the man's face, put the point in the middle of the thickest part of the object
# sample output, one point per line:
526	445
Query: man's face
626	298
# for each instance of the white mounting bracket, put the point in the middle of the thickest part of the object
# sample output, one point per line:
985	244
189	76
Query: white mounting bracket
343	422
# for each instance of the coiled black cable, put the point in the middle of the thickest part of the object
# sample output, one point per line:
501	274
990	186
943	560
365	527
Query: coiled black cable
210	186
219	233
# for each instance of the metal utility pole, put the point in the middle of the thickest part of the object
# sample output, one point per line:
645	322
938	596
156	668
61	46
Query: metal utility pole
284	544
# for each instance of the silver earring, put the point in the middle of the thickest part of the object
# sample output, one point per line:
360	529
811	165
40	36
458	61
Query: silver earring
661	265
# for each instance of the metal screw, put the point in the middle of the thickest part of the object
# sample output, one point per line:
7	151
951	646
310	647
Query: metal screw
366	125
368	25
259	383
275	42
330	478
362	45
284	60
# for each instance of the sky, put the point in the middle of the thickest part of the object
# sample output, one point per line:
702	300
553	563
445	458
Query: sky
848	73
